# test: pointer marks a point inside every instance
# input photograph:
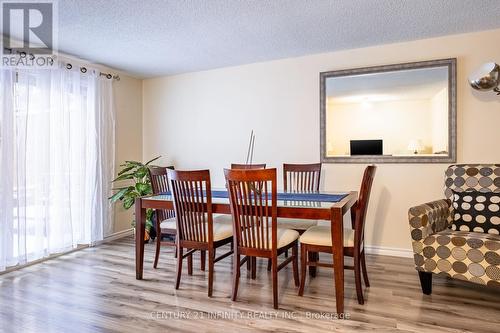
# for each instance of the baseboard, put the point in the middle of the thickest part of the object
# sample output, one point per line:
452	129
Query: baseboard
389	251
379	250
116	235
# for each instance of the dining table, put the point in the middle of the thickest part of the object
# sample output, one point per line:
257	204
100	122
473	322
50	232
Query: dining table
328	206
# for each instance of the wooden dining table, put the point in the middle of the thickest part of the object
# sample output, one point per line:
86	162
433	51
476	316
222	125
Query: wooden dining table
316	209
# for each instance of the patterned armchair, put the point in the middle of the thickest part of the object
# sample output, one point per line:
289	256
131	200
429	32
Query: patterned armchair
458	236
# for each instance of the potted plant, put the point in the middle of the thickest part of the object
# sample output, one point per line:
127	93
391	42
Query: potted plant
136	172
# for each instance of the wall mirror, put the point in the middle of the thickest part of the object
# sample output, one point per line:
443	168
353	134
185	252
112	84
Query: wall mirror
404	113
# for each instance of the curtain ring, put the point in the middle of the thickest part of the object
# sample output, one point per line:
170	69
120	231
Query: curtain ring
83	70
109	76
69	66
22	54
32	56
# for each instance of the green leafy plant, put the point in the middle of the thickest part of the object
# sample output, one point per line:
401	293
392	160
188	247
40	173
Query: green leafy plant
138	173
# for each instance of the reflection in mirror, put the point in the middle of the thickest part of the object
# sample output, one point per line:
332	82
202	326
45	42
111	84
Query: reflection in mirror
405	111
387	114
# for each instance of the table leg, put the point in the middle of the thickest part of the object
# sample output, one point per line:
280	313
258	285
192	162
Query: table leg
140	225
338	257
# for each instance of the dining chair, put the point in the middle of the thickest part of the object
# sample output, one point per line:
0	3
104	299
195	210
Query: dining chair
164	218
197	230
300	178
320	239
253	201
251	264
247	166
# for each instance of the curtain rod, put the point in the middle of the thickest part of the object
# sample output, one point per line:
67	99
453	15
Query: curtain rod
83	69
108	76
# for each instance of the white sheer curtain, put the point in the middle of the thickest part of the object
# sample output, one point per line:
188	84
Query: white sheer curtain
57	160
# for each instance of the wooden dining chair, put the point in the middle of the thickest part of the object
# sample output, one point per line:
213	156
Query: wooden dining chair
197	230
320	239
253	201
164	218
247	166
251	265
300	178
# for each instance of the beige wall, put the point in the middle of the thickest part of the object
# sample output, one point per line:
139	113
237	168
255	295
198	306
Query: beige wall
203	120
128	104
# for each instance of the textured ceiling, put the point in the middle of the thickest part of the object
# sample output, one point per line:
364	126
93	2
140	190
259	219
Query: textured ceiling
161	37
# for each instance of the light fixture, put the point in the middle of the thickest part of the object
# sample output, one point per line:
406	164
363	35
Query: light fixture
486	78
415	145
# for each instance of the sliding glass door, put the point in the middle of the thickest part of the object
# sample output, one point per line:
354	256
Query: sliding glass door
57	161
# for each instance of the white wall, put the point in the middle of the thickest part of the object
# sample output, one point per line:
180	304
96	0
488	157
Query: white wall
203	120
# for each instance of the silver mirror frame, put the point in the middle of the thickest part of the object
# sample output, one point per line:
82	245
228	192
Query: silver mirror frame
450	63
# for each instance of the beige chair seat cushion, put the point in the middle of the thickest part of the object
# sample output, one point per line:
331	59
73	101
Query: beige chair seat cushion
321	235
222	228
222	231
168	224
284	237
223	218
296	224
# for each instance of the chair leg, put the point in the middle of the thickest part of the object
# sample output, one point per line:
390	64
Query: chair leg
269	264
357	279
203	260
286	254
157	252
425	282
211	256
236	275
190	264
254	268
275	281
313	257
295	263
249	264
363	267
303	266
179	267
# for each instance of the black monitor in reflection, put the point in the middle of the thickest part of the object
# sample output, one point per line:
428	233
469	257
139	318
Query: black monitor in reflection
366	147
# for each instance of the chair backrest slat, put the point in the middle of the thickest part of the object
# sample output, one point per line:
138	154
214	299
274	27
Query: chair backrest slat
160	184
193	204
301	177
252	195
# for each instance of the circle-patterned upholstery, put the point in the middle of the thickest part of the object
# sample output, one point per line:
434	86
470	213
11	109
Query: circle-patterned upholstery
461	255
472	177
472	254
476	211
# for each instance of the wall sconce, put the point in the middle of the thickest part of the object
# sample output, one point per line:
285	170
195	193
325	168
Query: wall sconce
486	78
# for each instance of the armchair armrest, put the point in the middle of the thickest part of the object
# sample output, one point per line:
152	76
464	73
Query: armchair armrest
429	218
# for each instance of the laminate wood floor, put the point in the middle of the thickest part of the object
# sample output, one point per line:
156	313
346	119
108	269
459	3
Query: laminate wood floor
95	290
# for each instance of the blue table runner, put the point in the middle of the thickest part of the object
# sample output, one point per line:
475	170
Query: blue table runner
284	196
